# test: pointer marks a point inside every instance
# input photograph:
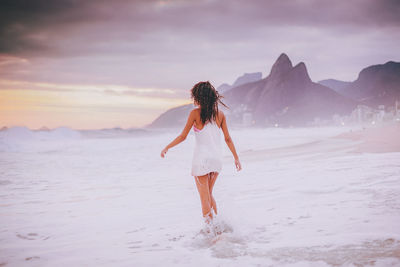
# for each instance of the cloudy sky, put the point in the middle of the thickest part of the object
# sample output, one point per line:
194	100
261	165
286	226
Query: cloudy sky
94	64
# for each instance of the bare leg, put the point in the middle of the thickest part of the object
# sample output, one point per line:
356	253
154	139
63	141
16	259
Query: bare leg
213	178
202	183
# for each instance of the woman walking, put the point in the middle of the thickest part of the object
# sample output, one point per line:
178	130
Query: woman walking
207	122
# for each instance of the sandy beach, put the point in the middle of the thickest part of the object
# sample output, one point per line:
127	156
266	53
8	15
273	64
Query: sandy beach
305	197
379	139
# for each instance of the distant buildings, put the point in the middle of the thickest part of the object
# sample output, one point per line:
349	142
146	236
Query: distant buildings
362	114
366	115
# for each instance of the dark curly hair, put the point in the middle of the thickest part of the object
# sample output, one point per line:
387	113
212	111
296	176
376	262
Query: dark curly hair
207	97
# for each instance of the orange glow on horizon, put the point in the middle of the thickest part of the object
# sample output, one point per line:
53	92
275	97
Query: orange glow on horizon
81	106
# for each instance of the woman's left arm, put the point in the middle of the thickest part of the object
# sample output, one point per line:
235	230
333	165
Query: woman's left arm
182	136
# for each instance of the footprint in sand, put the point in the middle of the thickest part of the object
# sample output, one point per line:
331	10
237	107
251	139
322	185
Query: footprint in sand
31	236
32	258
176	238
136	230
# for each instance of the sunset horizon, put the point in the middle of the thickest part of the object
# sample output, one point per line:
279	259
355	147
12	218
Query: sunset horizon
98	64
18	93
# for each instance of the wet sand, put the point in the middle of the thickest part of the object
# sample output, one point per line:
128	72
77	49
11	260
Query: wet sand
379	139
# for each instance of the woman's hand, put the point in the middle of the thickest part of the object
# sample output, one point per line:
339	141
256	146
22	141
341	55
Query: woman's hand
163	152
238	165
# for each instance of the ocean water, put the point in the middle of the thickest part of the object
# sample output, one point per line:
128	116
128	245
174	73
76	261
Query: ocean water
107	198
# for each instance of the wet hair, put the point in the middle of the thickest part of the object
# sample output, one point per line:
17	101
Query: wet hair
208	98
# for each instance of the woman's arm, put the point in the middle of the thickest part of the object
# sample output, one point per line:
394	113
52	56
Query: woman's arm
229	142
183	134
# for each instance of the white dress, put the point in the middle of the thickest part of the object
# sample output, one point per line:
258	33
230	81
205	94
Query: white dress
207	155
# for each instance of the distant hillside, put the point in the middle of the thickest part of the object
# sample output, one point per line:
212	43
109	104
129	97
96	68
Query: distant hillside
336	85
245	78
376	85
174	117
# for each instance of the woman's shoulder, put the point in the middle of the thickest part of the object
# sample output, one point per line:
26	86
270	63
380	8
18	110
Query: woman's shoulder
221	114
195	111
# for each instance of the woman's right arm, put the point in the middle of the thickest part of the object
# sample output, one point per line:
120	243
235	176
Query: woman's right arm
180	138
229	142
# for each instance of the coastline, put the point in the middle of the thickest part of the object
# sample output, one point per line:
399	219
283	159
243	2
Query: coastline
378	139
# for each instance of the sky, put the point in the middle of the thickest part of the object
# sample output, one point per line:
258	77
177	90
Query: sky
101	64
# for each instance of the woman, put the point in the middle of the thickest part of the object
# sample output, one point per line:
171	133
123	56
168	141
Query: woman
207	122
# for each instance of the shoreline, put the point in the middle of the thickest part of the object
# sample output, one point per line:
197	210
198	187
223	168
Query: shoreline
378	139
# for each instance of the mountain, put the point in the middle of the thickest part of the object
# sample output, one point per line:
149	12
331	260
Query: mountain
376	85
223	88
174	117
287	96
245	78
336	85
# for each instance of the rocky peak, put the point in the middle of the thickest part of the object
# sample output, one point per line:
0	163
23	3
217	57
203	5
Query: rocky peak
300	71
281	65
